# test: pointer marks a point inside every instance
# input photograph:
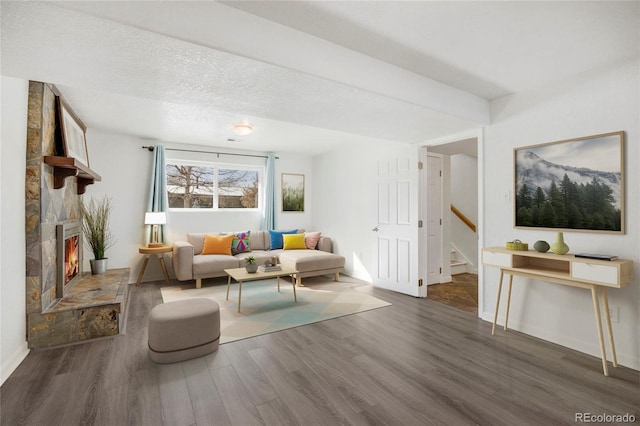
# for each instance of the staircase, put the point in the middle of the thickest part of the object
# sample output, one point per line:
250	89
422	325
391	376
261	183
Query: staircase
458	266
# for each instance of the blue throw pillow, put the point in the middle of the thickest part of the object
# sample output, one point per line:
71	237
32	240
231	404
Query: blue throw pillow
276	238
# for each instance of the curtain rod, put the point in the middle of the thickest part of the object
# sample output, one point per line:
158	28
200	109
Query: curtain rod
150	148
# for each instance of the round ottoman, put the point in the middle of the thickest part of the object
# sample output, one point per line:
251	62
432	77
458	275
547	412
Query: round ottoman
183	330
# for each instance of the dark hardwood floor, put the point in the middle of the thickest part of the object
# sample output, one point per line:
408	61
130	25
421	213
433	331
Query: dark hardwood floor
417	362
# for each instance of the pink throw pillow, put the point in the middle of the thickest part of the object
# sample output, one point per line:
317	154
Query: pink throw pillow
311	239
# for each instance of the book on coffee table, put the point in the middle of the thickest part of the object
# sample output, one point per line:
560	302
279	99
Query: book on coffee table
596	256
267	268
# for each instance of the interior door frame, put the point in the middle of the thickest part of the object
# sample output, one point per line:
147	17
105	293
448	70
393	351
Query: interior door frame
425	208
478	134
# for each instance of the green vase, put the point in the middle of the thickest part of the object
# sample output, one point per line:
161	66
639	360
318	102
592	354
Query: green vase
559	247
541	246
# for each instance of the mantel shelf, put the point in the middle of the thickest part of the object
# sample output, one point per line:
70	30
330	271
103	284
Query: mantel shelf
64	167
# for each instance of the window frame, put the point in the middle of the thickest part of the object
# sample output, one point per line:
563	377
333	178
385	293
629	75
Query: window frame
217	165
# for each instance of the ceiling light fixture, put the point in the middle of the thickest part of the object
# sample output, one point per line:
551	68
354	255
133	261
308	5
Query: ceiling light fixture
243	128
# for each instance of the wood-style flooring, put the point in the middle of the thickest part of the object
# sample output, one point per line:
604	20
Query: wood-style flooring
417	362
460	293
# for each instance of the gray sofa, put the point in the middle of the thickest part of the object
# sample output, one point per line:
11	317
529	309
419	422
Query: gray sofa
189	263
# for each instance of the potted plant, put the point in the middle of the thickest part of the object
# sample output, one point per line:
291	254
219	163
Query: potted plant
251	264
95	228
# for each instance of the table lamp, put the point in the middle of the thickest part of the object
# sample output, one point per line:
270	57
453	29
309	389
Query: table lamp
154	219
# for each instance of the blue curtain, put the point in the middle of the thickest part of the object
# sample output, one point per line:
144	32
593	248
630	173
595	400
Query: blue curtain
269	215
158	200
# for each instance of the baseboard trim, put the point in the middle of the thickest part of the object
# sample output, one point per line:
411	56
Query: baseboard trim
589	348
10	365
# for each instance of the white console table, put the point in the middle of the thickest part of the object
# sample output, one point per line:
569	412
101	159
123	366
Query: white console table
591	274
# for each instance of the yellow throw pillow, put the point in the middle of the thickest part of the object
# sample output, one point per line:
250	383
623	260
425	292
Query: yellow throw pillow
293	241
217	244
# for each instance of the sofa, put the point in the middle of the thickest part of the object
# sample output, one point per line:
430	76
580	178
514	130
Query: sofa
191	261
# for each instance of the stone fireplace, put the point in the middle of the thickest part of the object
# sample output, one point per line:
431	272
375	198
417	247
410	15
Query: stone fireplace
64	304
46	207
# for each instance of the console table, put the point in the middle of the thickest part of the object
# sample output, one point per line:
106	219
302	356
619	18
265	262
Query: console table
590	274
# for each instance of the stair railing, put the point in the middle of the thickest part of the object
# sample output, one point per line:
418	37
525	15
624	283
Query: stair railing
463	218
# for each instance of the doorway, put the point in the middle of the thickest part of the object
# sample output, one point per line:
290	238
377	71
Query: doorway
456	205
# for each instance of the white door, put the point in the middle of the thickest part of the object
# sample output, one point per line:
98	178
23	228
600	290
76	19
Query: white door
396	233
434	219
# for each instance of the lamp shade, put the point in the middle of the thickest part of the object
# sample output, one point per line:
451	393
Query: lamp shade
155	218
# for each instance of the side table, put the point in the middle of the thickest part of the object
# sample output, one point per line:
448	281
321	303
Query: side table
159	252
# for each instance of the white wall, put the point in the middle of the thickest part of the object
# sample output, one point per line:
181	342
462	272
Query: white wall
125	169
464	196
588	104
13	324
345	202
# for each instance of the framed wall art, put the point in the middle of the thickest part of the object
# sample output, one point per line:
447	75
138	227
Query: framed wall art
292	193
571	185
74	143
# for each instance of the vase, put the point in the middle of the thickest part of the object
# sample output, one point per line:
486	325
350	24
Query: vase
98	266
559	247
252	268
541	246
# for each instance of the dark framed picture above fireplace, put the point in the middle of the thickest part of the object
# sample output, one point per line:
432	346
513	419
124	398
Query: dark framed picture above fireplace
571	185
74	142
69	256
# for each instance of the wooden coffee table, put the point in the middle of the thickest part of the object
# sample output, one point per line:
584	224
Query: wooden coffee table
241	275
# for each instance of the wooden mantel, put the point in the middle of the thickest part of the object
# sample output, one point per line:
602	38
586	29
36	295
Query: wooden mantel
64	167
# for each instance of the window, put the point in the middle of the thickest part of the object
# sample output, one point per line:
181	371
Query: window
192	185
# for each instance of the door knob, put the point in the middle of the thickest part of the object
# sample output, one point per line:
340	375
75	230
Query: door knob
376	229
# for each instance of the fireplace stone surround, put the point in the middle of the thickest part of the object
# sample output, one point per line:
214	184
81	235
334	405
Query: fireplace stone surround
93	306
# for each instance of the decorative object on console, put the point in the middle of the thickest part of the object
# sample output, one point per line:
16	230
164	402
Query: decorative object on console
541	246
517	245
251	264
589	169
559	246
154	219
95	227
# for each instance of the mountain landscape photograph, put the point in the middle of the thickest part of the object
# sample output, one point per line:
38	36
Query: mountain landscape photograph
575	184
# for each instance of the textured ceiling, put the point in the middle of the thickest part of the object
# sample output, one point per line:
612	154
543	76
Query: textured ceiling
489	48
308	75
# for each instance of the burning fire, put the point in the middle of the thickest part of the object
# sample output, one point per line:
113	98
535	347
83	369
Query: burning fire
71	258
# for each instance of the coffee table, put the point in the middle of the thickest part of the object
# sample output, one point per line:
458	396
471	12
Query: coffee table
241	275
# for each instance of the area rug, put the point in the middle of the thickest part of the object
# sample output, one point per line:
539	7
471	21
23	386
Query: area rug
265	310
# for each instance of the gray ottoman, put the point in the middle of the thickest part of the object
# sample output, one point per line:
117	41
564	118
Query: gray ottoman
183	330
